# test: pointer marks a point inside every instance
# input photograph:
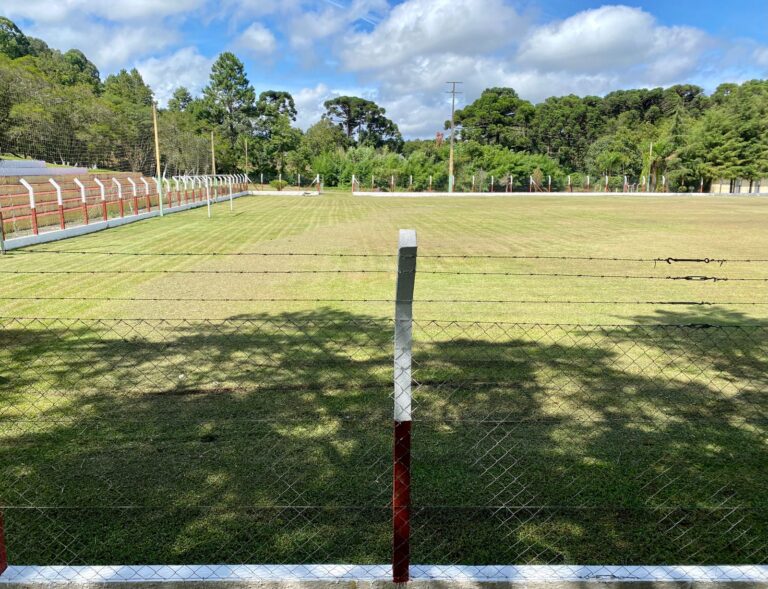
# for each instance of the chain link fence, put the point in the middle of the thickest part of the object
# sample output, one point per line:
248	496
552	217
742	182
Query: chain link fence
268	441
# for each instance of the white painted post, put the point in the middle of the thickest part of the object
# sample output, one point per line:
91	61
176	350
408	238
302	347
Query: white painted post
353	183
406	277
135	196
549	183
262	180
588	183
231	198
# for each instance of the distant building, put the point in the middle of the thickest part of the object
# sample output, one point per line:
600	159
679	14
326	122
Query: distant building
740	186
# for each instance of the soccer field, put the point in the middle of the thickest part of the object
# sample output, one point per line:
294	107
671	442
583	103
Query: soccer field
203	414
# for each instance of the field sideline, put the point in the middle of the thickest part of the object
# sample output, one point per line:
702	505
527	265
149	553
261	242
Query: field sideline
338	223
189	431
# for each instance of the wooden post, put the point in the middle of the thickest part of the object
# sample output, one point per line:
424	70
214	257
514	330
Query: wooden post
157	159
401	498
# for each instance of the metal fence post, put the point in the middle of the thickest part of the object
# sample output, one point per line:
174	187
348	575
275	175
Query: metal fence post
3	252
146	193
83	199
120	202
401	495
59	202
32	208
103	193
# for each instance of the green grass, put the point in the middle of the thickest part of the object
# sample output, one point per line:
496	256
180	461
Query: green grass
261	432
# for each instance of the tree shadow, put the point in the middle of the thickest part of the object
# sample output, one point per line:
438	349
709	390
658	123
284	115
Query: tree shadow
266	439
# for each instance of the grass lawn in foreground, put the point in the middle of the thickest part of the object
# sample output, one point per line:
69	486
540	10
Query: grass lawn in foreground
260	432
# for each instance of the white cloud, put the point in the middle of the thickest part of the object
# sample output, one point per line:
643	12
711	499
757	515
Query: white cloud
186	67
62	10
761	57
428	27
613	38
257	40
309	101
109	47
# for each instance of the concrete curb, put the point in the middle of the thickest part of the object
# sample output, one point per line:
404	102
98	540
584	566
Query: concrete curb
377	576
549	194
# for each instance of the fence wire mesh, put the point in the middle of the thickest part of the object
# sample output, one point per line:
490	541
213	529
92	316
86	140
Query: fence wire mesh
268	440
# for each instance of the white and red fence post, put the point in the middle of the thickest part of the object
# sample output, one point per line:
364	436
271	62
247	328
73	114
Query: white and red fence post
401	494
3	551
120	202
146	193
135	195
59	202
32	207
102	190
83	199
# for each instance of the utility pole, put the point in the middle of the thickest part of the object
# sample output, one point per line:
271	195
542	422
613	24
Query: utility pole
650	166
453	94
157	161
246	156
213	155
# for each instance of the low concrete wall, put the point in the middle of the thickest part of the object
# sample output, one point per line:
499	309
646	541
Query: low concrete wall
377	577
542	194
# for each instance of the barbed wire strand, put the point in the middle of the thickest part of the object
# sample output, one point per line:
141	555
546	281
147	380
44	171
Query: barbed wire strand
417	301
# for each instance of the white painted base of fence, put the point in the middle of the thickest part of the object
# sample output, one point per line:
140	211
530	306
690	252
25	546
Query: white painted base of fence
550	194
284	193
567	574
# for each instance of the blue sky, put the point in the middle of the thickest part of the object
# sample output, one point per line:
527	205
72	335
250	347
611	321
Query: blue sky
400	52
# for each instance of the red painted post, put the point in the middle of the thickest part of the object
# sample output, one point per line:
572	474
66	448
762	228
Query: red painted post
3	551
401	487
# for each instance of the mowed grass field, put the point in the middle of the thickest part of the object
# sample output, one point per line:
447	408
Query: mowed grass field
337	223
194	430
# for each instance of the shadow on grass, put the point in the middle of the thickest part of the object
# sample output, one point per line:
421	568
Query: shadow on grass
267	439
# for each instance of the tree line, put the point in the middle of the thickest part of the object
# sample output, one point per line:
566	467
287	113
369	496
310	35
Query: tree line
55	106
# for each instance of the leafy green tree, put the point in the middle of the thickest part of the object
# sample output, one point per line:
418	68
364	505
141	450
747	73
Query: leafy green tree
180	100
273	104
323	137
13	42
498	117
363	121
229	97
128	87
